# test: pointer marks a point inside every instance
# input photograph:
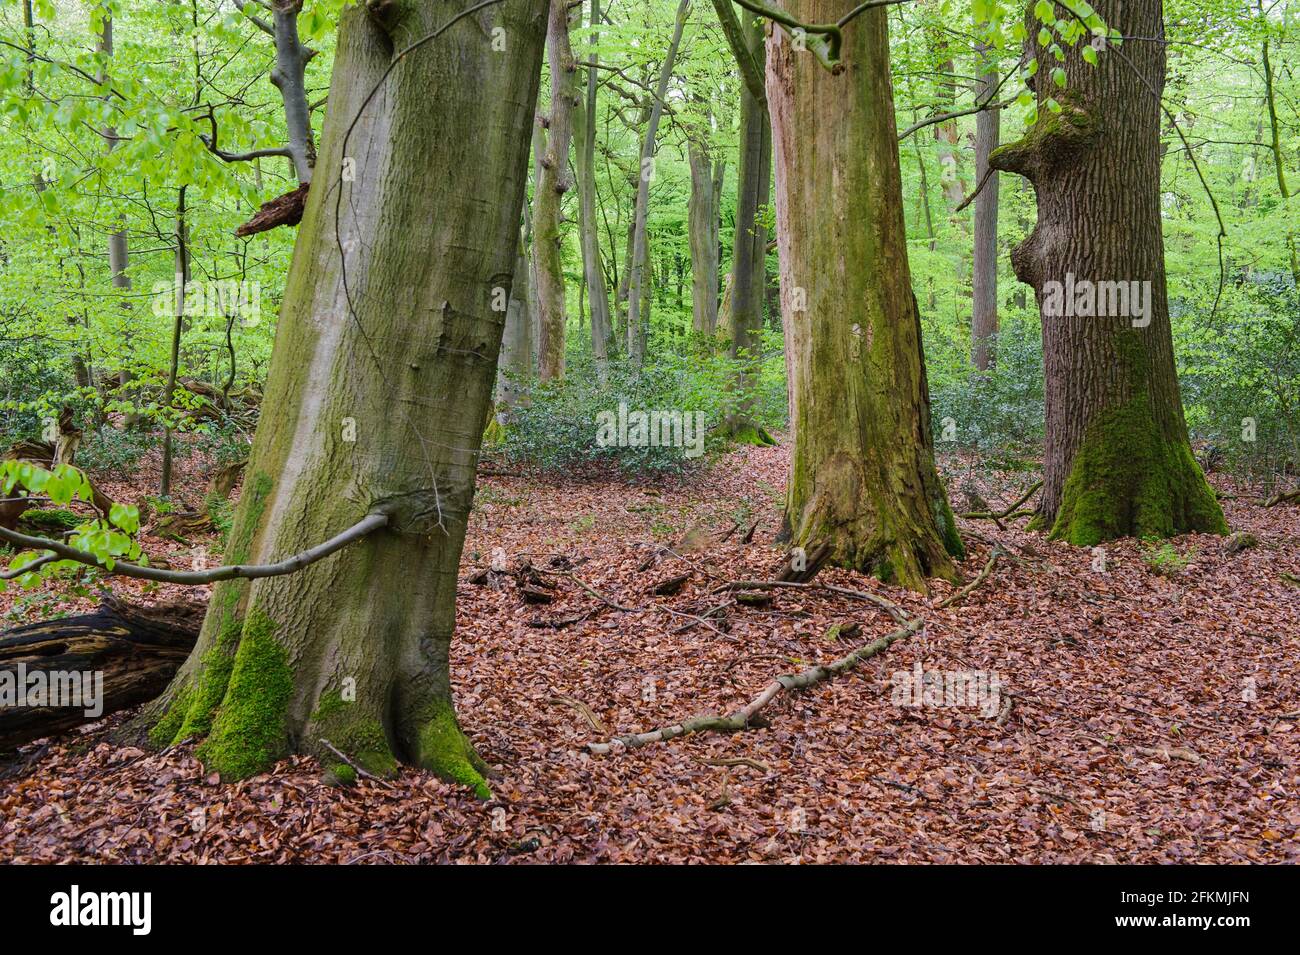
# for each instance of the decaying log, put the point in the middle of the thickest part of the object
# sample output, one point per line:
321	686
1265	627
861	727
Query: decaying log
282	210
746	717
136	649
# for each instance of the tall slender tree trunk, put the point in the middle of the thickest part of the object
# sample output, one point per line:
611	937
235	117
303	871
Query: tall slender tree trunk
289	76
749	255
553	181
638	320
1117	458
118	251
703	227
1275	143
602	325
178	327
863	480
515	366
984	269
380	381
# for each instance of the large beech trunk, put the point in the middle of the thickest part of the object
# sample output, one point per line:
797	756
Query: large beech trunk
863	479
553	180
380	386
1117	458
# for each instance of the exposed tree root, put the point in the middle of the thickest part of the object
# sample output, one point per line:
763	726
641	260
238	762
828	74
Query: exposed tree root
743	718
1283	497
891	608
979	579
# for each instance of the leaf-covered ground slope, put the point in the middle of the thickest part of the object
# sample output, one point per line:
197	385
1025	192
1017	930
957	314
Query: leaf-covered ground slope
1153	711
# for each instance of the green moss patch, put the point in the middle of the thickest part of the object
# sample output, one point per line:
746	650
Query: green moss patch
445	751
248	734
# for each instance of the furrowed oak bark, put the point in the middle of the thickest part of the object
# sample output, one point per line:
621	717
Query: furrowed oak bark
380	380
1117	458
863	480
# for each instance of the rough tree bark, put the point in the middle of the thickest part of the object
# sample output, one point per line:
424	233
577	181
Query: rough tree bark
554	179
1117	458
380	380
863	480
984	268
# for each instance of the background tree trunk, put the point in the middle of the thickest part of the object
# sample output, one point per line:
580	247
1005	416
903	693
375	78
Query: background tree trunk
553	181
703	226
984	269
863	479
515	366
602	325
753	187
380	385
1117	458
638	319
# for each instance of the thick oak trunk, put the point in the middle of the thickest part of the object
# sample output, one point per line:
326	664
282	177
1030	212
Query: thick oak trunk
380	383
1117	458
863	479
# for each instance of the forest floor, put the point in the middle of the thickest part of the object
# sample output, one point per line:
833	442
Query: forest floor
1150	713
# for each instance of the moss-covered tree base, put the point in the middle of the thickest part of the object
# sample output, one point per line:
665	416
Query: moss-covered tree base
901	540
1128	480
445	751
740	429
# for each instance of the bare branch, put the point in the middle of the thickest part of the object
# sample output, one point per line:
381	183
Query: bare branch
60	551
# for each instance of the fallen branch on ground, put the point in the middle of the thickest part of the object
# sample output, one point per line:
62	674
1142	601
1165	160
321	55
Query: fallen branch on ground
592	719
743	717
